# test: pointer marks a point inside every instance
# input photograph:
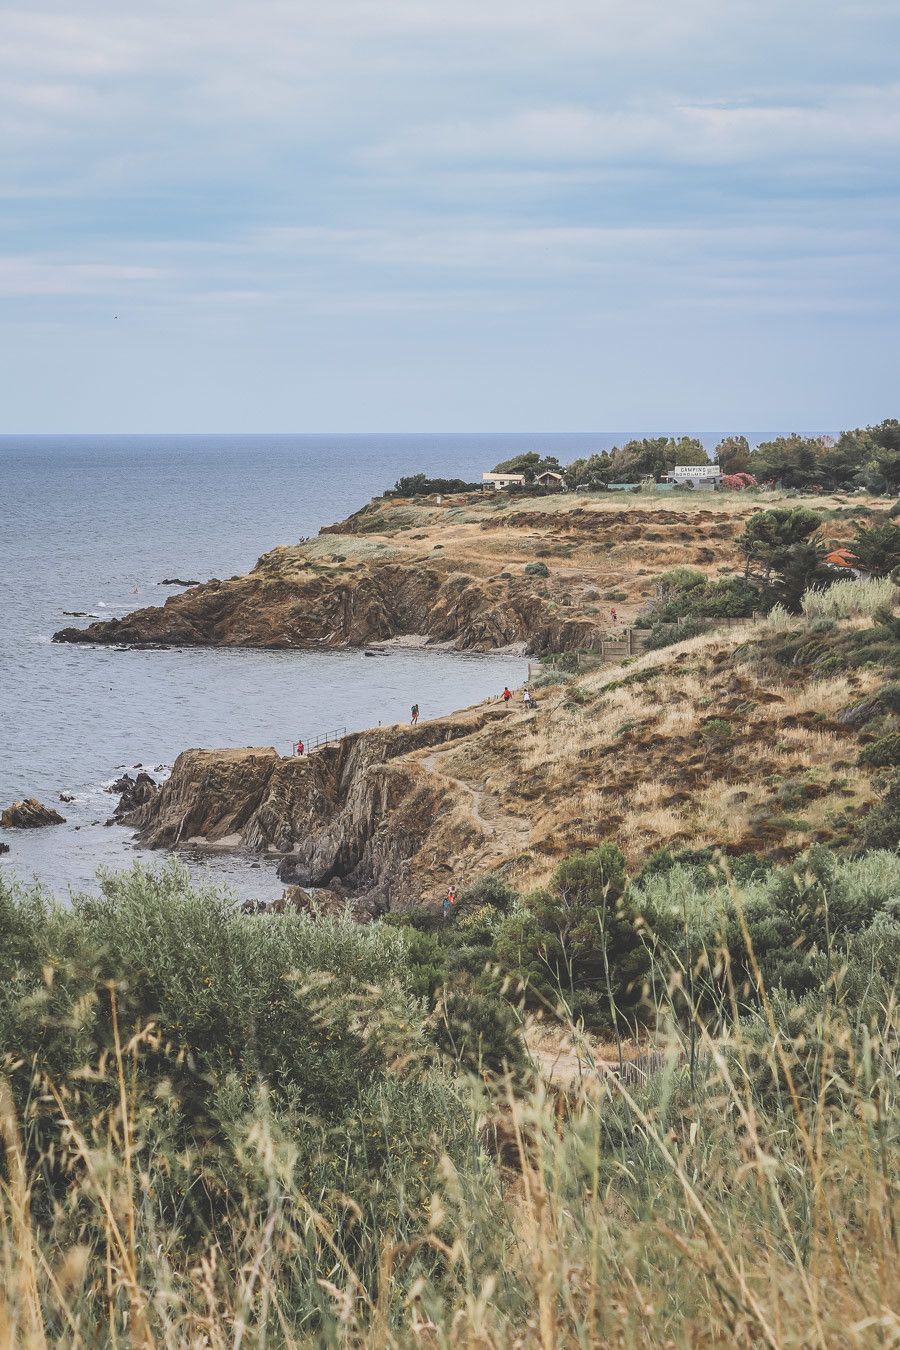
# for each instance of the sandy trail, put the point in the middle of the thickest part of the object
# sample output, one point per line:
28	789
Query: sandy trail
505	834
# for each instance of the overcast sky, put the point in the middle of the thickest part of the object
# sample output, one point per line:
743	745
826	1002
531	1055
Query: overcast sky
260	215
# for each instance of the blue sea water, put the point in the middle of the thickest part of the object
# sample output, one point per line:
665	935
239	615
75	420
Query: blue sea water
94	523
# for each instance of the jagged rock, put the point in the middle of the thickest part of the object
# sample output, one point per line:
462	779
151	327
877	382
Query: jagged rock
4	848
135	795
67	796
295	900
29	815
176	581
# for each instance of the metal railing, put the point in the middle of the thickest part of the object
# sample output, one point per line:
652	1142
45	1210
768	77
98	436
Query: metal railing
317	742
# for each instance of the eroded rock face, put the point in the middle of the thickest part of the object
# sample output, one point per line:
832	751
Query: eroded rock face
209	798
351	610
29	815
356	815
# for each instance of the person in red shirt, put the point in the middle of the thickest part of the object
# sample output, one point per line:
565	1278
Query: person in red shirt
299	747
507	695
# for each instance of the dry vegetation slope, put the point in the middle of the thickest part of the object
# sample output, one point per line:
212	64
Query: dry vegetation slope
703	744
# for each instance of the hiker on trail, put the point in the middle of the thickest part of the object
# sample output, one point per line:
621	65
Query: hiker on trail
415	715
613	615
299	747
445	907
507	694
526	696
451	896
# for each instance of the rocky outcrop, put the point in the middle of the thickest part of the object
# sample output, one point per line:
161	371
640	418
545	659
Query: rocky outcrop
134	793
353	610
357	815
29	815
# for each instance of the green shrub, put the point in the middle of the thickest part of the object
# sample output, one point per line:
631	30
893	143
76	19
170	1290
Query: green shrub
681	579
477	1029
578	940
666	635
419	485
488	890
881	827
244	1023
883	753
715	731
536	569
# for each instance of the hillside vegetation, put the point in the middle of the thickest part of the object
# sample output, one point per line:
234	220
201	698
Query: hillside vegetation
759	739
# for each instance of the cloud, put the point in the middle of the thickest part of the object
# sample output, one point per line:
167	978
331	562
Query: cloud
30	276
498	171
843	121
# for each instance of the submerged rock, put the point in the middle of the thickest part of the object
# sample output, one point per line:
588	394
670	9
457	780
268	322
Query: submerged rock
29	815
176	581
4	848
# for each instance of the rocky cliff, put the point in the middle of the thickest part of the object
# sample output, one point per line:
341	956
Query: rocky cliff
365	812
347	609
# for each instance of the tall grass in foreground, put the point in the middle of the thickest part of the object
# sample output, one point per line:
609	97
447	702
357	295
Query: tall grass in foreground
745	1195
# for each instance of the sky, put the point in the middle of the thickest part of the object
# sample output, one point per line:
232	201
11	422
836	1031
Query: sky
403	215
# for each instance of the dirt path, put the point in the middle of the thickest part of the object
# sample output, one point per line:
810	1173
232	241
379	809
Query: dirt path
505	834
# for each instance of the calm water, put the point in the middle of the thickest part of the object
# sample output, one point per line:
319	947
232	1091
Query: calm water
94	523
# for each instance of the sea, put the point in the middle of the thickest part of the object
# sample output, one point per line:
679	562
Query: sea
91	525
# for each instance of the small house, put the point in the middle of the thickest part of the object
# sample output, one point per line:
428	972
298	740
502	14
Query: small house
498	481
550	479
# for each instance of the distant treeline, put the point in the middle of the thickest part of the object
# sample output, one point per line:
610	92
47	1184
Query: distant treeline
418	485
868	457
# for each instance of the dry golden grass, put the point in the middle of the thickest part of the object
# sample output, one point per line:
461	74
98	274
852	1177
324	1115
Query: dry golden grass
631	762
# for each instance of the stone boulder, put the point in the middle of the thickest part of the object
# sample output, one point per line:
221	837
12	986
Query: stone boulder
29	815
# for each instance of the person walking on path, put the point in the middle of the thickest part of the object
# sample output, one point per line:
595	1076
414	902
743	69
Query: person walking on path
526	697
415	715
507	694
445	907
613	615
451	896
299	747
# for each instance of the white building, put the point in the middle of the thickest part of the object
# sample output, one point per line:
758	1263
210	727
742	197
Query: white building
502	480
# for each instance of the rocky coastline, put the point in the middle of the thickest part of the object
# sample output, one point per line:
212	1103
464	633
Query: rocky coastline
387	818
